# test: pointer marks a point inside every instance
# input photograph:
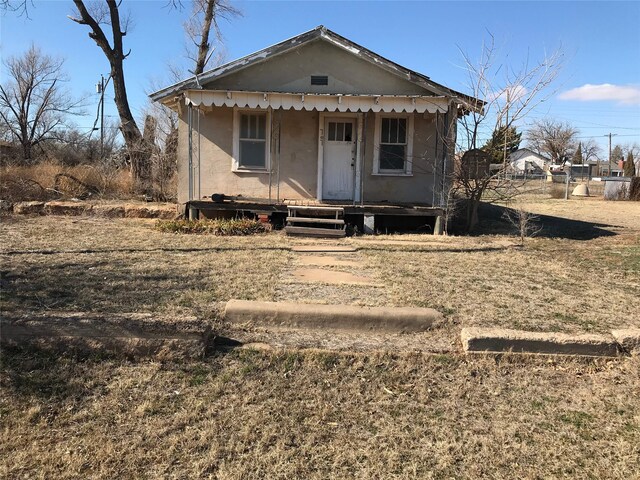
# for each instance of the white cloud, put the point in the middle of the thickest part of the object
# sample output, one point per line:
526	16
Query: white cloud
621	94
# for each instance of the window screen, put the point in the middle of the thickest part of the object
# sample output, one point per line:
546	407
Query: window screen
253	140
393	143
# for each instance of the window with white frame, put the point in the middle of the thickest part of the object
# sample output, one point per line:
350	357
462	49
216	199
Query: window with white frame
251	145
393	145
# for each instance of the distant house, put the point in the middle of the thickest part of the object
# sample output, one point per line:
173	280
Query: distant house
524	160
315	118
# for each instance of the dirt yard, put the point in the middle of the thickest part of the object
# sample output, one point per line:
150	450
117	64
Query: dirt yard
349	410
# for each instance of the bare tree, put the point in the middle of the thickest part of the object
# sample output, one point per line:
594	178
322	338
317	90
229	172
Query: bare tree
554	139
199	26
109	14
506	94
34	103
591	150
21	7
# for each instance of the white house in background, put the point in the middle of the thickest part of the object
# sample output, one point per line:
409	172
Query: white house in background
524	160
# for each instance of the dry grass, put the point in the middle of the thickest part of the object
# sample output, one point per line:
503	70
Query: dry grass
122	265
624	214
551	284
306	414
38	182
250	414
221	226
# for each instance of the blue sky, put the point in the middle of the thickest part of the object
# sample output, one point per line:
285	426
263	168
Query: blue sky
600	41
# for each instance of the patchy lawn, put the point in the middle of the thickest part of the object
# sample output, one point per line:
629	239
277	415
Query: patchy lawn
252	414
317	414
122	265
75	264
551	284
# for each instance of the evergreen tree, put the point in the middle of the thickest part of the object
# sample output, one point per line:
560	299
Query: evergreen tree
616	155
629	166
495	146
577	155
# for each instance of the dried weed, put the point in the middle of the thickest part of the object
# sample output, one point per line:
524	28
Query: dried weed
293	414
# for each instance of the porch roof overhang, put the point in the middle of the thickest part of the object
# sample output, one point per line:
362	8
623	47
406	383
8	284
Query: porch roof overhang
316	101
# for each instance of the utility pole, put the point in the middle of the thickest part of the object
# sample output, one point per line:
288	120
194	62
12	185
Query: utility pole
100	88
101	116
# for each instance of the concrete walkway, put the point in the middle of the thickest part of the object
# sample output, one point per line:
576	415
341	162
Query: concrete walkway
332	273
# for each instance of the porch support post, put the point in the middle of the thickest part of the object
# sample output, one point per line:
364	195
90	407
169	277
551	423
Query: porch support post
438	228
358	163
192	212
369	224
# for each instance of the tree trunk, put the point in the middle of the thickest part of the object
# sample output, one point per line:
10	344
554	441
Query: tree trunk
26	152
472	213
139	150
204	46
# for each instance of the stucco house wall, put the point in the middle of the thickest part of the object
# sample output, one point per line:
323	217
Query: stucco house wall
298	177
291	71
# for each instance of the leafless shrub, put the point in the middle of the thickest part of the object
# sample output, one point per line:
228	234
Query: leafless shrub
557	191
501	96
525	223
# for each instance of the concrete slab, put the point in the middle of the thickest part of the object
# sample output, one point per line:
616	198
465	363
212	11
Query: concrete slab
131	336
319	275
327	261
629	339
403	243
324	248
330	317
67	208
28	208
503	340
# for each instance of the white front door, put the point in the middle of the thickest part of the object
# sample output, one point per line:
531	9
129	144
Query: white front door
339	158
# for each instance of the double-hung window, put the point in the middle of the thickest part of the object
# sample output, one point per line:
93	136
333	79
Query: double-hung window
251	145
393	145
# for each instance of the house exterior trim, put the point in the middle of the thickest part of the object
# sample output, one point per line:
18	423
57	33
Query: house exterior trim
317	101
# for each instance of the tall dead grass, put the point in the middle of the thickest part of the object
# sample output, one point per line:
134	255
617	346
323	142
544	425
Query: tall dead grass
51	180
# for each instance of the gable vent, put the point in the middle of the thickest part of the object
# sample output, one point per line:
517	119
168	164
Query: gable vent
319	80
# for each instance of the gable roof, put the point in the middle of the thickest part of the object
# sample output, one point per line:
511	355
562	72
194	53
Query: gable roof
524	149
323	33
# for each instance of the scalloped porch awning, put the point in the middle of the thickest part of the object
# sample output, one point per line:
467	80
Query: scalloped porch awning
316	101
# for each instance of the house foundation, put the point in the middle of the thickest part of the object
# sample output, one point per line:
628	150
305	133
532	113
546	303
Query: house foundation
366	218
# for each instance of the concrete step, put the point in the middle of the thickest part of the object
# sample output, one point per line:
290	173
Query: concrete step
315	232
331	317
332	221
316	207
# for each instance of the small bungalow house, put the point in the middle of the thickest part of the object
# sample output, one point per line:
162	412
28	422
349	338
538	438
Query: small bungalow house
315	119
525	161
